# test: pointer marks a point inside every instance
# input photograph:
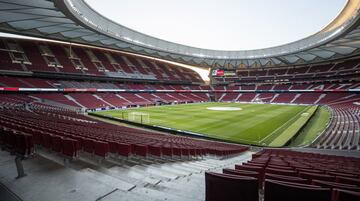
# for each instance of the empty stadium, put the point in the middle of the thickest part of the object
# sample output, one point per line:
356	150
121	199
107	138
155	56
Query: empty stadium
93	110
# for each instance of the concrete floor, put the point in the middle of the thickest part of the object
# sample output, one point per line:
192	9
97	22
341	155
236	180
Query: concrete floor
7	195
111	180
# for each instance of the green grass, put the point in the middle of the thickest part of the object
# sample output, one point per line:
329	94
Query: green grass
314	127
293	128
258	124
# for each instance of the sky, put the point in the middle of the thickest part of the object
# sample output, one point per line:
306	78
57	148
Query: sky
225	24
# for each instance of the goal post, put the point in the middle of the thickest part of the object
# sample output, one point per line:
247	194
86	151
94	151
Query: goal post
139	117
258	100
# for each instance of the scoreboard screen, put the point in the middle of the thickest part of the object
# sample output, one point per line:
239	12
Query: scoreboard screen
223	73
218	73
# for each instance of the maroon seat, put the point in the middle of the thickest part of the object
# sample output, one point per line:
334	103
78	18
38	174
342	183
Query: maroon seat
69	147
276	162
348	180
203	151
80	141
244	173
198	152
284	178
192	152
286	191
20	144
113	147
328	184
260	170
280	167
316	176
9	139
176	151
2	135
155	150
341	174
241	172
56	142
281	172
36	136
46	140
254	163
140	149
88	145
29	144
221	187
124	149
345	195
24	145
185	151
101	148
307	170
167	151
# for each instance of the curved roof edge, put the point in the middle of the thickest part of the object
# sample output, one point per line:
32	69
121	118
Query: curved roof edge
82	12
345	14
76	21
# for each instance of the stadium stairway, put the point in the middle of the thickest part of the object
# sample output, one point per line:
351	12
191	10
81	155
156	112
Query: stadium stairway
50	178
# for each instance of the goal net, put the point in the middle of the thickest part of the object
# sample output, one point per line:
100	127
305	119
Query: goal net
139	117
258	100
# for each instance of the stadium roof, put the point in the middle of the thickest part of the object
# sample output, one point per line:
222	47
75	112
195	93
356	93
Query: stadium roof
76	21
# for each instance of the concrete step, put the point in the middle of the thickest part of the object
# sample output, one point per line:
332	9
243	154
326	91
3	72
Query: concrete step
47	180
108	180
181	167
131	176
160	195
126	196
88	178
171	169
184	187
194	166
156	173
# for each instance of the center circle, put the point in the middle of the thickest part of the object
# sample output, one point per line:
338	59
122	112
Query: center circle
224	108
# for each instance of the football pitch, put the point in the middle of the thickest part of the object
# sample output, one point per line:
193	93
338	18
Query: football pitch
256	124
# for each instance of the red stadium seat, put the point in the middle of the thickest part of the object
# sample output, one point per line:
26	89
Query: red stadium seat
245	174
88	145
176	151
328	184
317	176
46	140
140	149
124	149
69	147
24	144
281	172
101	148
284	178
258	169
113	147
185	152
230	187
56	142
345	195
285	191
348	180
155	150
167	151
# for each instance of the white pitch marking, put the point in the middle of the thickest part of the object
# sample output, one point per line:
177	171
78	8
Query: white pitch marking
224	108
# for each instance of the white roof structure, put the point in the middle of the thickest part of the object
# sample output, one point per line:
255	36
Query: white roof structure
75	21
